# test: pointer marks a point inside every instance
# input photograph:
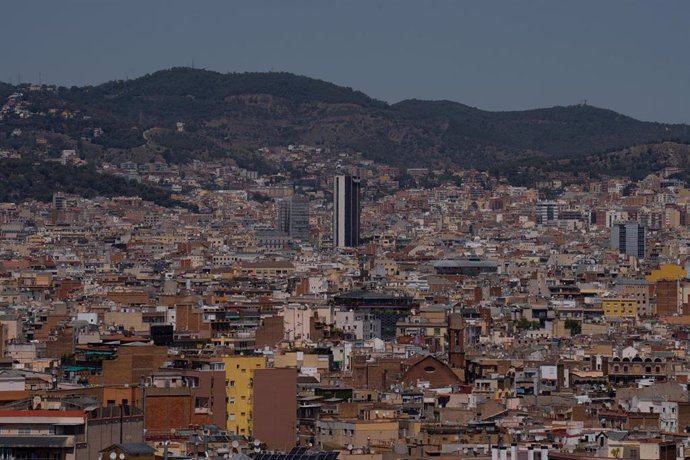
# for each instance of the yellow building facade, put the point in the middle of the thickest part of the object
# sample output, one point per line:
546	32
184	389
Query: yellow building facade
239	390
619	308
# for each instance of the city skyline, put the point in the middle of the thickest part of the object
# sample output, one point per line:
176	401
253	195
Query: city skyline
263	266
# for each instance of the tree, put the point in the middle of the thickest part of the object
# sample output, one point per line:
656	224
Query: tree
574	326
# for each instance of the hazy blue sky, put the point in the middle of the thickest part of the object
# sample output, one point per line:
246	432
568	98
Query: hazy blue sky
630	56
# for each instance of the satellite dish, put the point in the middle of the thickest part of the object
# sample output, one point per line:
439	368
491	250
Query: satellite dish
257	443
350	447
122	456
112	455
235	444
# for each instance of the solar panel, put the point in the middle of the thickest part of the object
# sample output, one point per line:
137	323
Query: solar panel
298	453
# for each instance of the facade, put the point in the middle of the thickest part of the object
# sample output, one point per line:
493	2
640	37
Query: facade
357	433
293	217
43	434
386	309
629	239
346	211
619	308
133	363
357	326
113	424
239	375
638	289
283	215
456	340
275	408
547	212
668	298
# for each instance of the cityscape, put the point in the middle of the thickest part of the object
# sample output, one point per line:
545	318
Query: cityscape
259	265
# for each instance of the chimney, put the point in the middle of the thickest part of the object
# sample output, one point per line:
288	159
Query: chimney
513	451
530	452
494	452
544	453
504	453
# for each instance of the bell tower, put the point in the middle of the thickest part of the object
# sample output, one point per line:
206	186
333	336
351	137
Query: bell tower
456	341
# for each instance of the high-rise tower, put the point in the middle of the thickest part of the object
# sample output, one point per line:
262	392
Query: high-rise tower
346	211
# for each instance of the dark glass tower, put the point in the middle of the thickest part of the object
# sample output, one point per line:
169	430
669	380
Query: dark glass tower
346	212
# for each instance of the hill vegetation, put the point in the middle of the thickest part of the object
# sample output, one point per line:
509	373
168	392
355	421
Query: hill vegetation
25	179
233	114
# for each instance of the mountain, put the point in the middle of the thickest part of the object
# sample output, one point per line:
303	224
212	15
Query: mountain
234	114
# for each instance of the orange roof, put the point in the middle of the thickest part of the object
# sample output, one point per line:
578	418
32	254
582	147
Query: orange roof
676	320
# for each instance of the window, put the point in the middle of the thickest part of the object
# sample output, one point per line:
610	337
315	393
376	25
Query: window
232	383
24	431
201	402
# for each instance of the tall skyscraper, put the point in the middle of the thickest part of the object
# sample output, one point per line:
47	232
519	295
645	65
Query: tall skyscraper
293	217
346	211
628	238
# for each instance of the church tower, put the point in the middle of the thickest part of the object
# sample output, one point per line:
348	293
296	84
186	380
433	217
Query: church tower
456	341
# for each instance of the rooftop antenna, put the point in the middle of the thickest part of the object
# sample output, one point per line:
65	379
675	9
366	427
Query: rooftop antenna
39	78
192	63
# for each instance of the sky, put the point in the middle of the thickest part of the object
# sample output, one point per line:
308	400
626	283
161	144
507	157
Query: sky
626	55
